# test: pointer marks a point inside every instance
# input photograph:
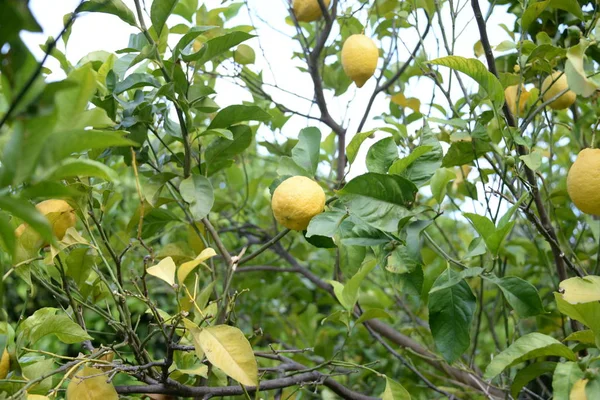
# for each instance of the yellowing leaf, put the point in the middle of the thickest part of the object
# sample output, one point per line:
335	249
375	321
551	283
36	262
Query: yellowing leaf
91	384
411	102
186	268
200	370
164	270
195	333
581	290
578	390
36	397
394	391
227	348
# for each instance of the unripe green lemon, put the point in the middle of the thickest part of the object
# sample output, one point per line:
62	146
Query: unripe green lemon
296	201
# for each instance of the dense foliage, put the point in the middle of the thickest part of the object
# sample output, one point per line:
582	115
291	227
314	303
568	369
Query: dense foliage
454	265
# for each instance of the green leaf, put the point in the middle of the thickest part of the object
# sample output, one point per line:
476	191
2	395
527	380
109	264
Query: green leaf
217	46
354	145
189	36
224	149
533	160
457	277
22	209
476	70
536	8
79	265
325	224
238	113
379	200
350	291
492	237
565	375
114	7
439	181
288	167
159	13
463	152
451	313
381	155
400	165
586	313
529	373
45	321
522	296
581	290
586	336
7	234
82	167
532	345
65	143
394	391
134	81
306	152
197	191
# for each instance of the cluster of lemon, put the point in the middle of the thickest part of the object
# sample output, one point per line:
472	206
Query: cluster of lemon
583	179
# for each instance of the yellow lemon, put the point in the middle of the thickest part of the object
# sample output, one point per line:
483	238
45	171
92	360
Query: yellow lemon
550	89
359	58
583	181
296	200
511	93
308	10
4	364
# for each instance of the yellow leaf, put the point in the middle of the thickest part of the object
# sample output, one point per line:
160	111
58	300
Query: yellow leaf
164	270
195	333
91	384
227	348
185	268
200	370
578	390
36	397
411	102
581	290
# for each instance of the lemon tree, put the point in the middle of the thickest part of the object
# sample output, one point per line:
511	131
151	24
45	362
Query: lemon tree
308	199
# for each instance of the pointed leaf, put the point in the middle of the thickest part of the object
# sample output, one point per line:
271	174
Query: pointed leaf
354	145
476	70
522	296
82	167
529	373
45	321
159	13
91	384
306	152
227	348
581	290
238	113
451	313
198	192
381	155
164	270
350	291
379	200
394	391
532	345
114	7
186	268
325	224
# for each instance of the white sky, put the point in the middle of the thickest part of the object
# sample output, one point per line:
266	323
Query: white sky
95	31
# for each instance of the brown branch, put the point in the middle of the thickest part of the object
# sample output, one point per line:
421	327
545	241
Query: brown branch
175	388
522	150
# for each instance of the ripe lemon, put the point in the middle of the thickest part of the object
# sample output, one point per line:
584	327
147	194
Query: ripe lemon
4	364
296	200
550	90
359	58
583	181
308	10
511	93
